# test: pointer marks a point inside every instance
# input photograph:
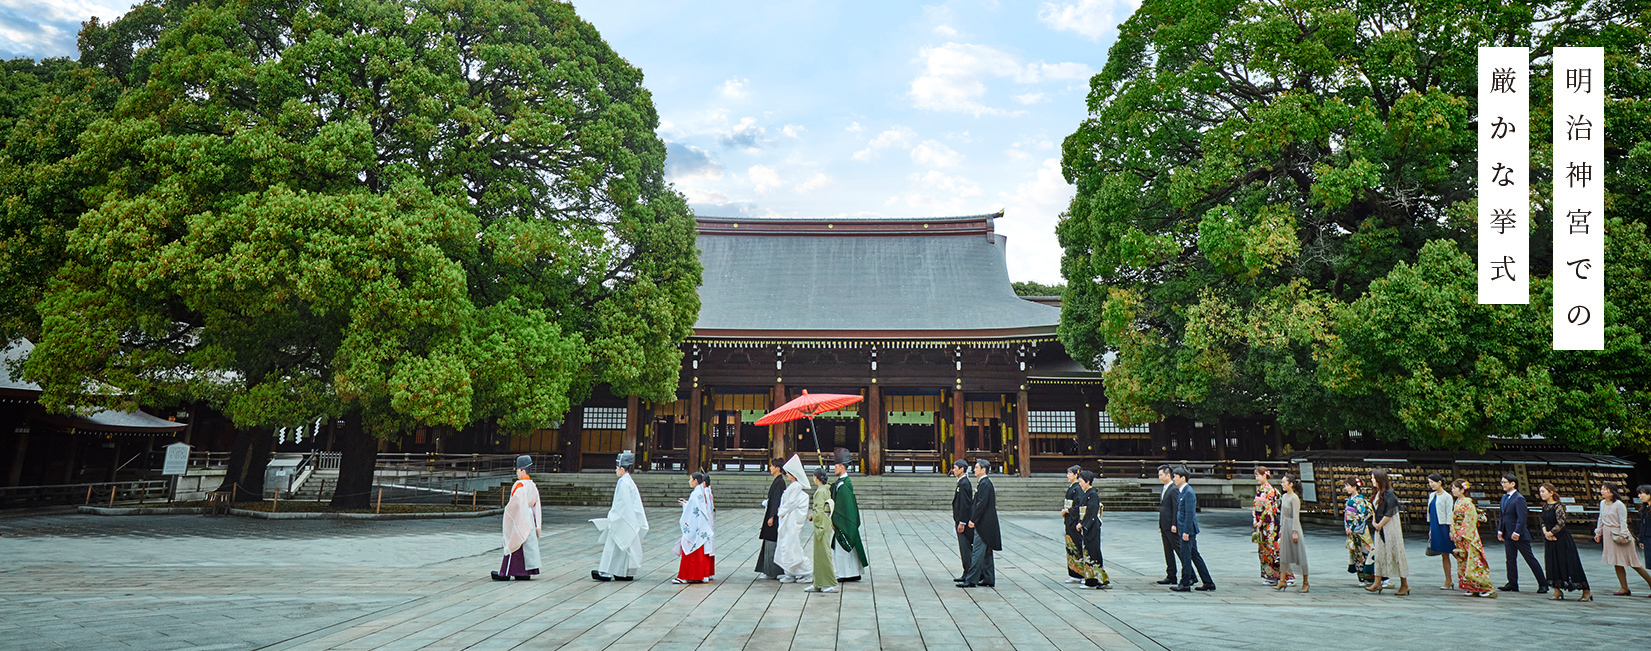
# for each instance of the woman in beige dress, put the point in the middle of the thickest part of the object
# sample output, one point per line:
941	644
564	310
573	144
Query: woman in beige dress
1387	531
1292	550
1613	532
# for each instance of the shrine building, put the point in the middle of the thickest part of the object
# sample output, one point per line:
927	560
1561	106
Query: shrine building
916	315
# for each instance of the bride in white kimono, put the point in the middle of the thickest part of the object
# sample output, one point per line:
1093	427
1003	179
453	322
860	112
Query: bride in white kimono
522	524
623	529
790	553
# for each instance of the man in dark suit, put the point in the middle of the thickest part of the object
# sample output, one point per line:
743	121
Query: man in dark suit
1516	539
983	519
769	532
963	504
1186	526
1166	523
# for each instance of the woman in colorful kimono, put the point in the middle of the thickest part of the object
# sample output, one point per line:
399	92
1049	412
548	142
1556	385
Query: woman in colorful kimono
1472	570
1361	560
1264	511
697	546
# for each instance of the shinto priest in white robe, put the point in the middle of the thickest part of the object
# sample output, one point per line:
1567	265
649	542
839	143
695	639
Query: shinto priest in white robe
790	552
622	530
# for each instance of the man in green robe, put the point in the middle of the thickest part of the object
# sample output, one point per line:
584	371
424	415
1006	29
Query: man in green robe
848	554
825	580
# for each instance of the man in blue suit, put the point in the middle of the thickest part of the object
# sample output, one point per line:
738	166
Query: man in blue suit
1186	526
1516	539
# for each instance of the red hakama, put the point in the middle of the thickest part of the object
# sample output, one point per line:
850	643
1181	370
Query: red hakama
697	566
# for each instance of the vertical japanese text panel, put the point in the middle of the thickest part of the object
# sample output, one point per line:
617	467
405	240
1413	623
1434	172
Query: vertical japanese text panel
1504	175
1579	198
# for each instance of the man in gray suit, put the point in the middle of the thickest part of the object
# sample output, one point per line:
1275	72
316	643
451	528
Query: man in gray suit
963	504
1166	523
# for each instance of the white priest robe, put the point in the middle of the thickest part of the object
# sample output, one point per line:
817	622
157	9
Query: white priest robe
623	530
789	551
522	523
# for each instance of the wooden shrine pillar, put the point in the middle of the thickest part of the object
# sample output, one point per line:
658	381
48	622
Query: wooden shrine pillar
1086	434
777	435
696	427
876	430
633	422
959	426
1023	435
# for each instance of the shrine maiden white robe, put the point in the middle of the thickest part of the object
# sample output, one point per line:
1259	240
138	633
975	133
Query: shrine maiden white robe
790	551
625	526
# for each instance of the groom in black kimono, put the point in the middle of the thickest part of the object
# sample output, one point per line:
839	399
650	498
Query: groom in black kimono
769	533
983	520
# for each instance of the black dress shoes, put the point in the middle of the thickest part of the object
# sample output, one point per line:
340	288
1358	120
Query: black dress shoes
1542	590
1508	588
1167	582
1181	588
599	576
525	577
624	578
1207	587
500	577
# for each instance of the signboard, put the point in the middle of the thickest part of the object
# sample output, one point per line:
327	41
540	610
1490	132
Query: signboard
177	459
1504	175
1579	198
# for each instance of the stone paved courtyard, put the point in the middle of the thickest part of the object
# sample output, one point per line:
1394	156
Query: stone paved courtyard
193	582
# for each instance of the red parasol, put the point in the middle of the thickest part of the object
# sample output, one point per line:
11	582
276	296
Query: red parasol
808	405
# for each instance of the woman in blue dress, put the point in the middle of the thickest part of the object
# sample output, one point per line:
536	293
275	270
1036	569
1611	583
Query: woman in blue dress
1440	511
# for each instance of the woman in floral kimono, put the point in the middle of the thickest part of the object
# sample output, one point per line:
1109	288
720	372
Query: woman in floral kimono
1361	559
697	546
1472	570
1265	512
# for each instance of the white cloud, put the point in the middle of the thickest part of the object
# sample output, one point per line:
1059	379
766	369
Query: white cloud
932	153
819	180
1030	98
793	130
854	127
1029	219
734	89
688	163
764	178
1091	18
895	136
954	76
747	135
945	30
937	193
38	30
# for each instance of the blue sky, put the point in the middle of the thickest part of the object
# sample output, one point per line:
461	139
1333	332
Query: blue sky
835	108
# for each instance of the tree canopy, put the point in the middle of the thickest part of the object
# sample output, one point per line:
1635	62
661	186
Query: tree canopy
425	212
1275	216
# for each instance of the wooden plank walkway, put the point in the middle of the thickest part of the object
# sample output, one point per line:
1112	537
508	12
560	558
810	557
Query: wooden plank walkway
907	601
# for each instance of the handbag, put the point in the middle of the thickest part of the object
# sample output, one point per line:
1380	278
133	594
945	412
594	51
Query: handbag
1622	537
1255	537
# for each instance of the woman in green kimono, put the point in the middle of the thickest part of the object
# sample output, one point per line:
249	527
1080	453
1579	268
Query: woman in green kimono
825	576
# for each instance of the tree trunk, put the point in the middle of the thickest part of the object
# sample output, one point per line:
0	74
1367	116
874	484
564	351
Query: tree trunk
247	460
356	464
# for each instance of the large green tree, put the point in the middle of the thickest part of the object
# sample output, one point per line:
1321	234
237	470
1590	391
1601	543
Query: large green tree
1272	195
399	212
